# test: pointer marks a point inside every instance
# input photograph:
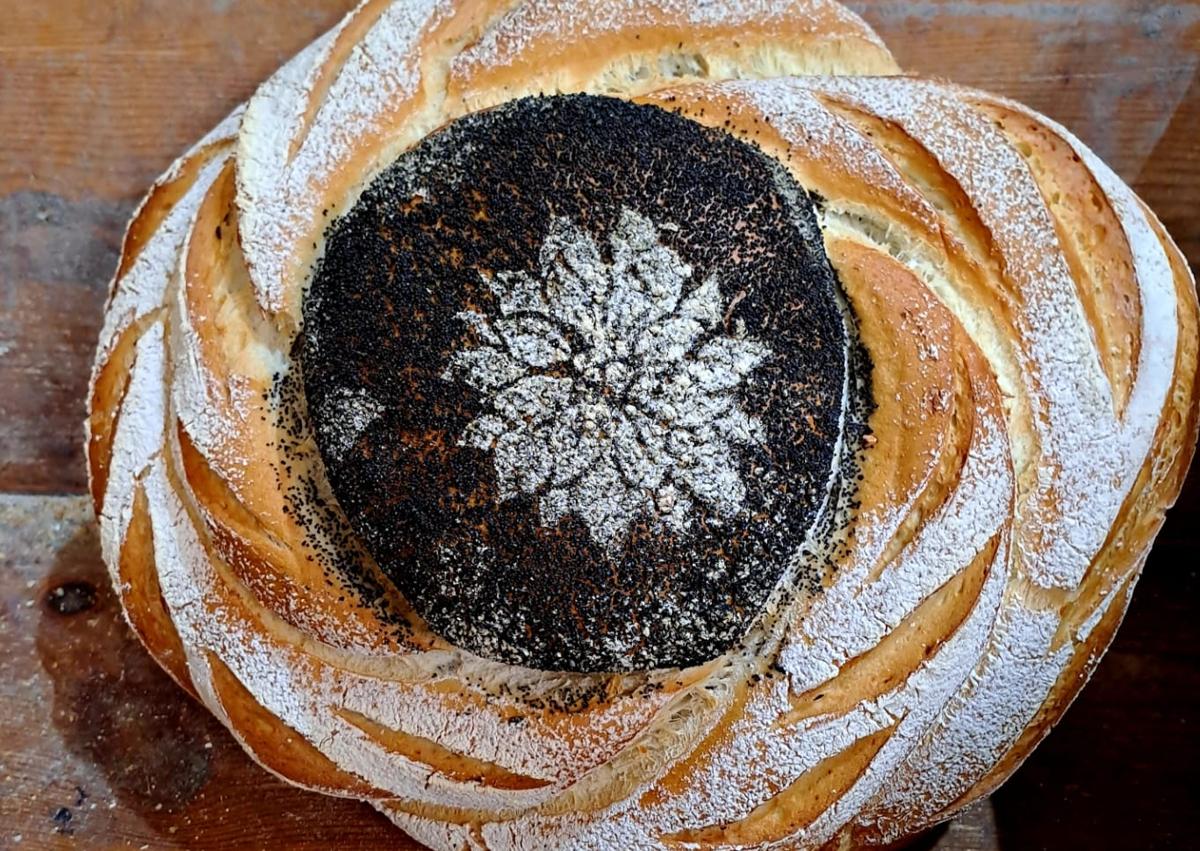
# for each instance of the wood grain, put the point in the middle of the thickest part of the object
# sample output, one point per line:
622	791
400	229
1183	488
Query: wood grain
99	749
97	745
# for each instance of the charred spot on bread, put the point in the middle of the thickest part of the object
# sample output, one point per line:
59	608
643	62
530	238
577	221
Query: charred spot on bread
580	373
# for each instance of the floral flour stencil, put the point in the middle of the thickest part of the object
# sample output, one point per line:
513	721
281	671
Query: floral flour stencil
612	387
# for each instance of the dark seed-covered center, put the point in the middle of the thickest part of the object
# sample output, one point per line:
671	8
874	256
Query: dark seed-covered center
577	370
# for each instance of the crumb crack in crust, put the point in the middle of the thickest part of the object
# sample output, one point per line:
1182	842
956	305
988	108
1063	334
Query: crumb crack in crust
1026	326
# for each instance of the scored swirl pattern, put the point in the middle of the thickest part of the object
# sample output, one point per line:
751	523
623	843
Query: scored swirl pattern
1032	334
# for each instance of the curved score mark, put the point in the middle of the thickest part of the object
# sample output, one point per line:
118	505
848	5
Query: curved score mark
677	780
253	552
161	200
349	33
141	595
894	659
273	743
1093	243
799	804
106	402
440	759
925	418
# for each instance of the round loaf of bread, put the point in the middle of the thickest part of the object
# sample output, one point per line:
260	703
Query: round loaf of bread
590	424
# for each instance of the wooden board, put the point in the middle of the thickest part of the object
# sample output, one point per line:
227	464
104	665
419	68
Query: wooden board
97	747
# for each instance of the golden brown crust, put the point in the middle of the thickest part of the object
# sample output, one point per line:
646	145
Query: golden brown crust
242	488
1089	232
117	353
457	766
1118	565
142	597
966	232
276	746
551	46
104	407
796	806
161	200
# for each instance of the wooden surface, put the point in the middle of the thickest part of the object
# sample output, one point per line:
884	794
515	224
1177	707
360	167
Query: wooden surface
98	749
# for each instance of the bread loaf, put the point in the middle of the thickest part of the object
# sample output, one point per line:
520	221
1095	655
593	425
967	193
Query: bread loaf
659	424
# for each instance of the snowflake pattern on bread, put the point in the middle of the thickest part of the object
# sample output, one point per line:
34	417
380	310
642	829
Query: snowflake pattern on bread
610	385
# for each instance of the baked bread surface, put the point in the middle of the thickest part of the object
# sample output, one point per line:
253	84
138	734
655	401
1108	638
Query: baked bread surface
1030	331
